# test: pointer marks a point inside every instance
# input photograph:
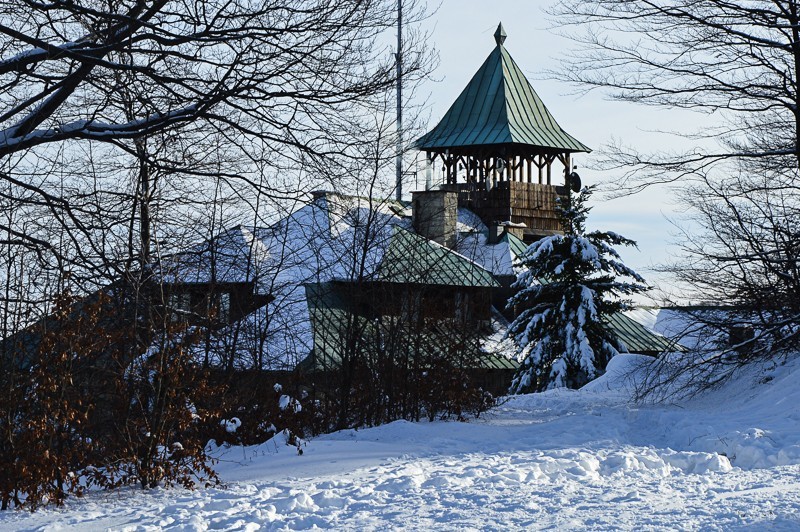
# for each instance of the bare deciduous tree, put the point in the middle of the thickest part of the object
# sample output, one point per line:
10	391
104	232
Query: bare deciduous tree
259	67
738	61
125	125
735	60
282	80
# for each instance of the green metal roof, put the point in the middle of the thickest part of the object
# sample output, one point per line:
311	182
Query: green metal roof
413	259
516	245
499	106
638	338
495	361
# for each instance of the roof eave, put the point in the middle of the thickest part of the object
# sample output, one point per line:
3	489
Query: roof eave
516	146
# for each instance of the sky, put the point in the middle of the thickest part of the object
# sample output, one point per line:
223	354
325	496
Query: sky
462	33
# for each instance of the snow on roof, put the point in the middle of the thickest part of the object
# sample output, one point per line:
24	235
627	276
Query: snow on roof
498	342
682	325
473	242
343	238
637	338
334	237
234	256
645	316
702	327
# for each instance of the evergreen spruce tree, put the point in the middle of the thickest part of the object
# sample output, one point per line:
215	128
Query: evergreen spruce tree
567	289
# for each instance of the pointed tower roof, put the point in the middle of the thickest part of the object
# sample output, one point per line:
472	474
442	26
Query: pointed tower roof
499	106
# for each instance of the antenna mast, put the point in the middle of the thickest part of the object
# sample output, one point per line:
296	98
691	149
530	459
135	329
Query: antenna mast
399	62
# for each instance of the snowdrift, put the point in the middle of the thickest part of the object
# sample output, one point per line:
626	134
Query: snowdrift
561	459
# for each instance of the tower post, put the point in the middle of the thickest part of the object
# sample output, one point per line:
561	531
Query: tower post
399	62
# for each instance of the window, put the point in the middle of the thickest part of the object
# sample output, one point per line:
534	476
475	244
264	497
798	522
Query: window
219	307
179	305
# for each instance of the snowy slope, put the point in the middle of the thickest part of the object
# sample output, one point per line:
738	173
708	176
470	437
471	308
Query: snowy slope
563	459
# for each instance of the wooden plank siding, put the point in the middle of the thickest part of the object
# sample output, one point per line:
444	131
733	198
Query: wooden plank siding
532	204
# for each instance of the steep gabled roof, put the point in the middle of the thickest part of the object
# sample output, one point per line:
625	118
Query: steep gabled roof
638	338
234	256
499	106
343	238
413	259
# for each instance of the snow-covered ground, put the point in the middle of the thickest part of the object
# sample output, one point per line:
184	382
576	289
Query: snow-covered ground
562	460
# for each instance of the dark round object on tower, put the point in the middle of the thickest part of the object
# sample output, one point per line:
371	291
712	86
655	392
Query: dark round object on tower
575	182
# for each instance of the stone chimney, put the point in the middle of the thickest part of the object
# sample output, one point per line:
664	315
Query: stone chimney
498	229
435	214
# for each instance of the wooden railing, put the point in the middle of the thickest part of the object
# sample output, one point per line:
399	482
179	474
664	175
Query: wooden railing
533	204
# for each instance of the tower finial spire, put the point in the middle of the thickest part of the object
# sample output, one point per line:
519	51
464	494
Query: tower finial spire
500	35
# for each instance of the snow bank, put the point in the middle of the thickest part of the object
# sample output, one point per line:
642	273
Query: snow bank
623	373
753	420
563	459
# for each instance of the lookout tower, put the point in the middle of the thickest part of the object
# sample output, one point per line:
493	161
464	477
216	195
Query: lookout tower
497	145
